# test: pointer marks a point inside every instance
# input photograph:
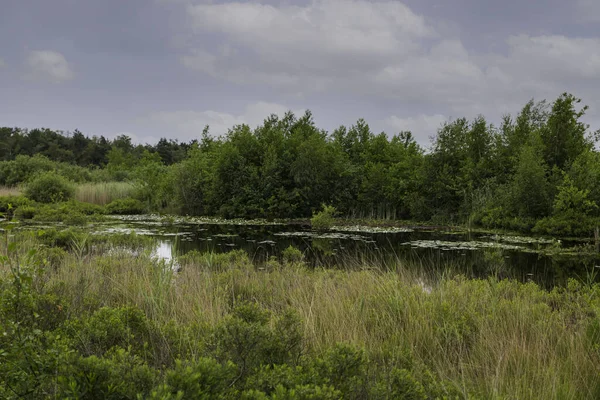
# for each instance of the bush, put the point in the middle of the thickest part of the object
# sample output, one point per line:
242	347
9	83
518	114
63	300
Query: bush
249	339
8	203
25	212
292	255
323	219
109	328
118	375
49	187
566	226
203	379
126	207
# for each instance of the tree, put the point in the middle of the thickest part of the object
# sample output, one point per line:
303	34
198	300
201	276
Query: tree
530	189
564	134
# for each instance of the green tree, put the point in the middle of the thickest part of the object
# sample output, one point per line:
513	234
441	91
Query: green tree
564	135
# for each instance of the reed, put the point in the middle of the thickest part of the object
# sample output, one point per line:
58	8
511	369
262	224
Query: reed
103	193
9	191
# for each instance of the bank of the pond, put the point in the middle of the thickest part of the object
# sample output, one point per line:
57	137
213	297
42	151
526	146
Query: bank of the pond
81	319
546	261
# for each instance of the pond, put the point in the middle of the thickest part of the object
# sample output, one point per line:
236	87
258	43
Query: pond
432	251
426	251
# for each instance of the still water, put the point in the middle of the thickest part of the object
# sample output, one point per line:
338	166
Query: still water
548	262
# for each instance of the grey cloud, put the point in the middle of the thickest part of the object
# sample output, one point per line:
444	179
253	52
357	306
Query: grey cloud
190	123
167	67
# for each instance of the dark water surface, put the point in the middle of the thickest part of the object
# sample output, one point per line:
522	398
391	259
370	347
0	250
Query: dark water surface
432	251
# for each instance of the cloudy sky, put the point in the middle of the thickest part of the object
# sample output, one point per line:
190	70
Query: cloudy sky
166	68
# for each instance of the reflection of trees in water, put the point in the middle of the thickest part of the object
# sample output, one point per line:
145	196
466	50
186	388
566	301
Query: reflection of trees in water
387	252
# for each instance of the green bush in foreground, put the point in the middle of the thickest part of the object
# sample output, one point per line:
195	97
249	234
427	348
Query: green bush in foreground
49	187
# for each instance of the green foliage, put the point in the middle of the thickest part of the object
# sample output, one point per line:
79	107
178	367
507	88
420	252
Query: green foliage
24	168
323	219
108	328
573	213
292	255
248	339
49	187
475	173
10	203
205	378
70	213
117	375
125	207
530	190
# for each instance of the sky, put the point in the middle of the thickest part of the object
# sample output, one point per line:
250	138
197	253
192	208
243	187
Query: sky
166	68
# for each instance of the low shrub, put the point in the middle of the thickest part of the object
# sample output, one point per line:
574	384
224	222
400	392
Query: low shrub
9	204
49	187
70	213
126	207
323	219
25	212
292	255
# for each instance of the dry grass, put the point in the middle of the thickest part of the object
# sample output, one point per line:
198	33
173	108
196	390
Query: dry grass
501	339
104	192
9	191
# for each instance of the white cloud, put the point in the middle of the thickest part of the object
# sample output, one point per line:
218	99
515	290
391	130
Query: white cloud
2	63
48	65
422	127
189	124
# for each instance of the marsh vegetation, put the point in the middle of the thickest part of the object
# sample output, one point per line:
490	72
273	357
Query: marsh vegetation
283	262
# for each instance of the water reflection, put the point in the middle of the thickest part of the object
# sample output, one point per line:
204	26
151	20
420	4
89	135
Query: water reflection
427	251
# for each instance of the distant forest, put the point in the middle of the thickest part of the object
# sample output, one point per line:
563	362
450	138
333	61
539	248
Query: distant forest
538	170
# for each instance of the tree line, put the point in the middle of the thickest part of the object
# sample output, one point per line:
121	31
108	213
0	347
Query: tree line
538	170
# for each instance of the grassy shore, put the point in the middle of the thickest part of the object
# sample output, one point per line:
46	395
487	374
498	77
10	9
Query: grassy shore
363	333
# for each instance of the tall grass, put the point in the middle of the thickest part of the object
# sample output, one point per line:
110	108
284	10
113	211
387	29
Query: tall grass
499	339
9	191
496	338
103	193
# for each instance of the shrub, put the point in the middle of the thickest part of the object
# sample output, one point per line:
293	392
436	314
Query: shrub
12	202
66	213
323	219
126	207
203	379
25	212
345	368
292	255
63	239
111	327
249	340
119	375
49	187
